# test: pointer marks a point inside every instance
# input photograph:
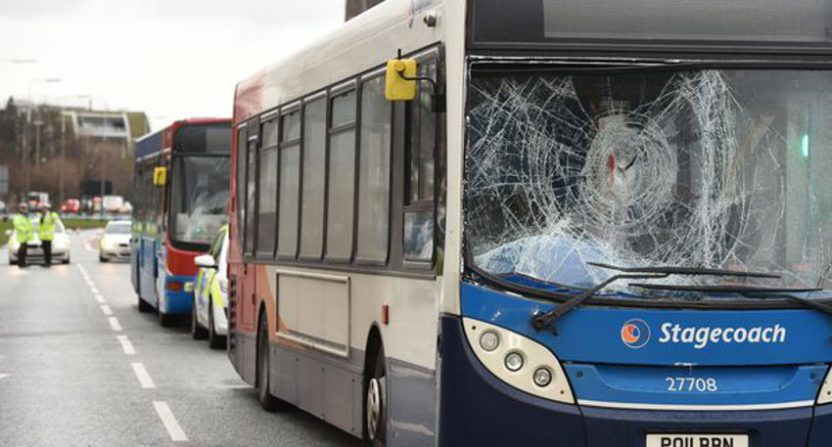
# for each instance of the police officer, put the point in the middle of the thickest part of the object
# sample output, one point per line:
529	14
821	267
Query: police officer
23	231
46	232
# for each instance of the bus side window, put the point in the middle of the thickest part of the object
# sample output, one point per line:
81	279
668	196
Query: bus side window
251	190
267	191
289	175
341	172
420	172
241	183
374	173
313	191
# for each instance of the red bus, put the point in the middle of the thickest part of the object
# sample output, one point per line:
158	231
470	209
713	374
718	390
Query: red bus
181	195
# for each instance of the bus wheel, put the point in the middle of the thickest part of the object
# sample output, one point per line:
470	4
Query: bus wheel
267	401
143	306
375	404
197	331
166	320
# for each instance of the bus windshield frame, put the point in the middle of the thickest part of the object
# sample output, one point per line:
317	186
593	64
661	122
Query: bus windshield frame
529	281
198	166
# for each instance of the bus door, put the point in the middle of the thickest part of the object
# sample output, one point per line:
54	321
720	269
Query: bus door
248	298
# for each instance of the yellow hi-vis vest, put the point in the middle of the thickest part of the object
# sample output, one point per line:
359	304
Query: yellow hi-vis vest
23	230
46	227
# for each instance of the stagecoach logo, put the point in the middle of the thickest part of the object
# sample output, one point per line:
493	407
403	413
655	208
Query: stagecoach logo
635	333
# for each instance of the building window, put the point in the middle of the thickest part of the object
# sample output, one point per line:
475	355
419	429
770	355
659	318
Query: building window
374	173
289	185
341	171
314	180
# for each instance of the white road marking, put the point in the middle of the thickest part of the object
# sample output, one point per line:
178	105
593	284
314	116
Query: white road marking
143	376
114	324
174	430
105	309
94	289
99	298
3	376
126	345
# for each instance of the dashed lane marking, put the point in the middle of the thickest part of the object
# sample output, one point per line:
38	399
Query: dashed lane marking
141	374
114	324
126	345
174	429
99	298
105	309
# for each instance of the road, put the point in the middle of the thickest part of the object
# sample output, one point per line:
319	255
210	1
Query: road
79	365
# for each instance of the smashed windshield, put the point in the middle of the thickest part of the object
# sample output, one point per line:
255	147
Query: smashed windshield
199	196
702	168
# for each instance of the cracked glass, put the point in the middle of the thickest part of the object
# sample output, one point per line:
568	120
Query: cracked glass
708	168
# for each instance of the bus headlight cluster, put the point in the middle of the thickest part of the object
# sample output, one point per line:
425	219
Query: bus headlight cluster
518	361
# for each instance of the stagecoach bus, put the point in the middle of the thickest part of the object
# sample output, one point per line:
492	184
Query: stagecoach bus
181	194
543	223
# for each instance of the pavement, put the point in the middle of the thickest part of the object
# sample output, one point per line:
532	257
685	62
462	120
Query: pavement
80	366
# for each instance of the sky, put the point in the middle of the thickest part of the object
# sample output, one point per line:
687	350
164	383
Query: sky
171	59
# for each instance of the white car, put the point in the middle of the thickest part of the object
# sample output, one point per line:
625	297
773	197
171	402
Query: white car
115	241
34	252
208	317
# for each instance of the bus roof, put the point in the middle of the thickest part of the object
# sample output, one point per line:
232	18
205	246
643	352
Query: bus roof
153	143
362	43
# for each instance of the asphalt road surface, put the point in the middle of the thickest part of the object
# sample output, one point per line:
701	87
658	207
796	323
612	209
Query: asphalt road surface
79	365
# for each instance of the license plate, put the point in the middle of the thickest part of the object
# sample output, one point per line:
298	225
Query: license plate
714	440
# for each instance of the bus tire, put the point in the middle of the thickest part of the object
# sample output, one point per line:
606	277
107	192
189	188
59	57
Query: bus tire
166	320
267	401
375	403
143	306
214	341
197	332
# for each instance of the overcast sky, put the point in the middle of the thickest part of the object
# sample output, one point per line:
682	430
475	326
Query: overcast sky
169	58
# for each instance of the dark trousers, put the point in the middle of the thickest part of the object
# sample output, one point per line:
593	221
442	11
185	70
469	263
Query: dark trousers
21	255
47	252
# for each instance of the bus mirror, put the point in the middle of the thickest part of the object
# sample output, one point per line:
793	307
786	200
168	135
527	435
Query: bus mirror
205	261
160	176
400	81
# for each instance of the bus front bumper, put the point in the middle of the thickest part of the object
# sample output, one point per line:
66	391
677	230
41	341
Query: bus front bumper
179	295
476	408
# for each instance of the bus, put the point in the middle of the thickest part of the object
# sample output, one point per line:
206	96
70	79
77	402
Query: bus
180	198
542	222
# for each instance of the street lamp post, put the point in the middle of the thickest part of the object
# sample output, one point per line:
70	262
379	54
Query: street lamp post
26	163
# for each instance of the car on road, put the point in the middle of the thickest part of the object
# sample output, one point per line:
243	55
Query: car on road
115	241
71	206
208	319
34	253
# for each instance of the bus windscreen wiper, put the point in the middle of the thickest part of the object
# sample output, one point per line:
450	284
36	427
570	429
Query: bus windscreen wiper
541	320
750	292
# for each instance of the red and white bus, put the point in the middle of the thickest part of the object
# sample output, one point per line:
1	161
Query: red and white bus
181	195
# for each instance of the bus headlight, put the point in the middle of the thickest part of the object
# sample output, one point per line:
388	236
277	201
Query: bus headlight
514	361
825	394
518	361
489	340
